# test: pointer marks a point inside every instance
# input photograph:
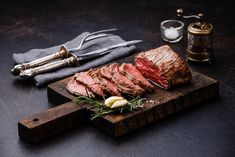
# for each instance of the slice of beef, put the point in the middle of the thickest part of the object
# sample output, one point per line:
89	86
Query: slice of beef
123	84
163	66
110	87
133	74
106	80
76	88
86	79
93	74
107	86
113	68
105	73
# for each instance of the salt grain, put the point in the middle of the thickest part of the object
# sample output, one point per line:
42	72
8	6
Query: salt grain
171	33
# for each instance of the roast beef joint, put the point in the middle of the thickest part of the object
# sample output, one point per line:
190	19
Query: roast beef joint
162	66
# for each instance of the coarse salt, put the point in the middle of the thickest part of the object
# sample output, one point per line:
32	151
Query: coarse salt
171	33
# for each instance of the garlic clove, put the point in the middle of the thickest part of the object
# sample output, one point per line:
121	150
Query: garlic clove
119	103
109	102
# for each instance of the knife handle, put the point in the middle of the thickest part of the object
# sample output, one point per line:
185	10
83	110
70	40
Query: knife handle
49	67
63	53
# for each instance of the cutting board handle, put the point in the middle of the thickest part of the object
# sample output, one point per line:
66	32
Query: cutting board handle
41	126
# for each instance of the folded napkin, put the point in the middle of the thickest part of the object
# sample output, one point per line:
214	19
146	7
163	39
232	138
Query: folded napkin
45	78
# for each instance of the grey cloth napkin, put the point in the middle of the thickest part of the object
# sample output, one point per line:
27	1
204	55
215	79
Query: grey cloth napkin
45	78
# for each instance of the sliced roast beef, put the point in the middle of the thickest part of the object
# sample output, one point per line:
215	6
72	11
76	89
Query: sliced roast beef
94	75
105	73
76	88
86	79
109	86
113	68
133	74
106	80
163	66
123	84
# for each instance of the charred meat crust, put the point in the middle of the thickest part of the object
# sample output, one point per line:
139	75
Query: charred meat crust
163	66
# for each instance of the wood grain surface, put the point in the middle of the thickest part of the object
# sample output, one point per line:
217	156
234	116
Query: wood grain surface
160	103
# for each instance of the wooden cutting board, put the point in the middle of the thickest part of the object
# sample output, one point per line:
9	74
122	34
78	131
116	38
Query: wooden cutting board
160	103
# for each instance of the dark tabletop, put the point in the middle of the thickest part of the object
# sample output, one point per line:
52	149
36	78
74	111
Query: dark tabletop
204	130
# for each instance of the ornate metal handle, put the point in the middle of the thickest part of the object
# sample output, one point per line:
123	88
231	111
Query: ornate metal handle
48	67
63	53
180	12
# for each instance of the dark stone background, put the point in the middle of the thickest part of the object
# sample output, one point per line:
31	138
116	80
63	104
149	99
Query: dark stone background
204	130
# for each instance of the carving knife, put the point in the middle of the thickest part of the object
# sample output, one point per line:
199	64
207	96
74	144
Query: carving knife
74	59
61	54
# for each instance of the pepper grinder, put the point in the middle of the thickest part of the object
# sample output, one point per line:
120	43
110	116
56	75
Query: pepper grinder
200	42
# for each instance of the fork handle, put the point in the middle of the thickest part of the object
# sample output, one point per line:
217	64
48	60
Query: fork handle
49	67
63	53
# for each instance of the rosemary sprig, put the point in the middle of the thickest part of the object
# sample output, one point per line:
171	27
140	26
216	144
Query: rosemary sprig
88	100
134	103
